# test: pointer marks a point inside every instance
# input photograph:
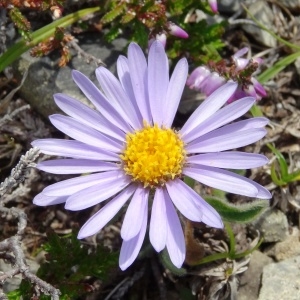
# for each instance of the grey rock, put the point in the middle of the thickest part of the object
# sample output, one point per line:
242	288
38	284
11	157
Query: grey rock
281	280
10	284
263	13
14	282
250	280
288	248
191	99
45	78
273	225
229	6
210	20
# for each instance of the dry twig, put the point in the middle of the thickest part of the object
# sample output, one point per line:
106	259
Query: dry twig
10	248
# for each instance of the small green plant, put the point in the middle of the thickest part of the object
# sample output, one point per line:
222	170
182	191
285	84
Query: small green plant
68	264
40	35
139	20
231	252
280	170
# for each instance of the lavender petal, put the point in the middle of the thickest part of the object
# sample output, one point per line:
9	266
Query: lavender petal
74	149
92	195
131	248
132	222
74	185
82	133
229	160
180	195
100	101
175	238
220	118
44	200
209	106
87	116
124	77
158	221
158	81
216	141
106	213
138	72
115	93
222	179
174	92
75	166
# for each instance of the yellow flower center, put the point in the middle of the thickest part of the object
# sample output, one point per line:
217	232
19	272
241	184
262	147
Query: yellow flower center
153	155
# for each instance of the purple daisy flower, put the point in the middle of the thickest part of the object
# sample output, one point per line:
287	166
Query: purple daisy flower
129	145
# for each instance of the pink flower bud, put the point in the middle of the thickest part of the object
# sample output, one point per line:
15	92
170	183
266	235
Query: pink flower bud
213	5
197	77
159	37
177	31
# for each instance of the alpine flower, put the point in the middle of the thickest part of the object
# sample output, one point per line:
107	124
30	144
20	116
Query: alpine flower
208	78
133	153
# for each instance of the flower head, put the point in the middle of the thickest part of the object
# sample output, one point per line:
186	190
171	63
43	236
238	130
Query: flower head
208	78
134	154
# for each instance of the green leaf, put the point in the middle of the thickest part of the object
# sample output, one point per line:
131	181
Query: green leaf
282	162
20	21
231	240
295	176
42	34
22	293
166	261
202	45
129	16
14	295
115	12
274	176
177	7
278	67
238	213
113	32
284	177
256	111
140	34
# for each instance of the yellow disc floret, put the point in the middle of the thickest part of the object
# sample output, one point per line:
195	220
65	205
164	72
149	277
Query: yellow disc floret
153	155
